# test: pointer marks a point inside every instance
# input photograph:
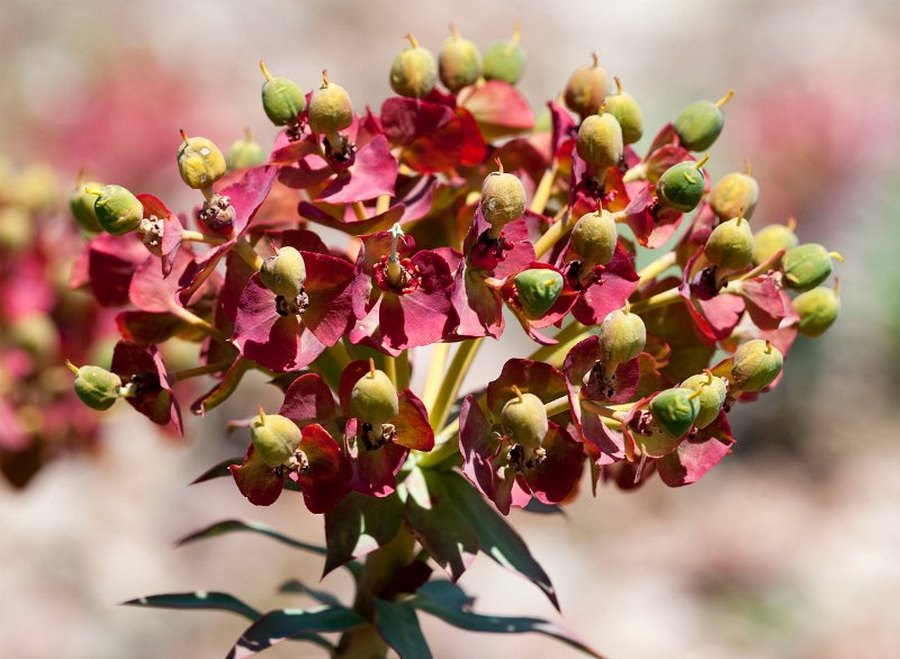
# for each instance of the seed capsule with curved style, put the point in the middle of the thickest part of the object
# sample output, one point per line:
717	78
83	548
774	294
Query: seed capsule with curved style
734	193
285	273
622	337
627	112
730	245
282	99
681	186
117	210
599	141
806	266
96	387
459	62
771	239
330	109
525	419
594	238
274	437
502	198
818	309
699	124
586	88
538	290
413	71
675	410
81	205
755	365
713	390
505	60
200	162
244	153
374	398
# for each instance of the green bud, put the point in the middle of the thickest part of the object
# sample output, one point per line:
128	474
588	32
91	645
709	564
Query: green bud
807	266
586	89
622	337
675	410
733	194
818	309
16	228
755	365
730	245
627	112
538	290
524	417
117	210
285	273
505	60
282	99
200	162
96	387
274	437
713	390
681	186
374	397
599	141
413	72
700	123
243	154
594	238
36	333
330	109
773	238
81	205
459	62
502	198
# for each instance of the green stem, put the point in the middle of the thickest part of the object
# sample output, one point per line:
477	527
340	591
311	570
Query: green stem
557	231
245	250
653	269
656	301
188	373
195	321
570	332
433	377
197	237
404	372
542	194
459	366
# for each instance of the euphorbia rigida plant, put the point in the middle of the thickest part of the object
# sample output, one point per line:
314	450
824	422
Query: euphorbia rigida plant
462	212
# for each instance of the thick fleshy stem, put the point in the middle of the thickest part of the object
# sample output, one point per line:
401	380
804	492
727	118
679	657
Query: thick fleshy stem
245	250
656	301
434	375
544	188
188	373
459	366
652	270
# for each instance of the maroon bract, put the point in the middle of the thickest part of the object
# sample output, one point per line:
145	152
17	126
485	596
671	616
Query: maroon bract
149	391
603	290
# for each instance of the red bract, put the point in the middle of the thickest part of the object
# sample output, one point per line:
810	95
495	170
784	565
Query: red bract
149	392
605	289
553	316
498	108
108	266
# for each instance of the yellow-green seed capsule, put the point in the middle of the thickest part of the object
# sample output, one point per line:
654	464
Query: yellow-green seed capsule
734	193
81	205
505	60
818	309
274	437
459	62
118	211
282	99
285	273
771	239
36	333
538	290
586	88
330	109
243	154
713	390
599	141
373	398
16	229
96	387
682	185
525	419
627	112
413	71
622	337
806	266
730	245
675	410
699	124
502	198
755	365
36	189
200	162
593	238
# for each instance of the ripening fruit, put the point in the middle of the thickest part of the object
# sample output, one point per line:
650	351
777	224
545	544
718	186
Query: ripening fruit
773	238
282	99
806	266
200	162
681	186
374	398
755	365
586	89
285	273
700	123
505	60
459	62
274	437
330	109
622	337
525	419
117	210
675	410
413	71
599	141
16	228
81	205
502	198
593	239
96	387
730	245
712	396
627	112
818	309
36	333
244	153
538	289
734	192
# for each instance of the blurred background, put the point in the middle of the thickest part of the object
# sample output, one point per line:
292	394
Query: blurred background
787	549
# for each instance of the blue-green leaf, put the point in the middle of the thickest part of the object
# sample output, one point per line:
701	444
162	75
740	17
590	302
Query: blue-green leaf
219	470
197	600
294	587
359	525
399	627
283	624
233	525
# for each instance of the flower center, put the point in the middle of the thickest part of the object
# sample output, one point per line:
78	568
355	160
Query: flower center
596	384
520	460
218	213
375	435
488	251
295	307
400	276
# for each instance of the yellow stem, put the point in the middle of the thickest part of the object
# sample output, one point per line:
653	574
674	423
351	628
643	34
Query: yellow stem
656	301
434	375
382	204
245	250
359	210
459	366
542	194
653	269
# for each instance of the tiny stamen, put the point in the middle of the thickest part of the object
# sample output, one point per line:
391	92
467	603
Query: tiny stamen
768	346
627	308
72	367
94	191
262	414
517	34
740	217
709	376
324	78
499	164
618	84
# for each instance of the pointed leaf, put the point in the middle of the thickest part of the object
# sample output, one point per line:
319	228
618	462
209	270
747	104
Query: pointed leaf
292	586
359	525
234	525
399	627
283	624
197	600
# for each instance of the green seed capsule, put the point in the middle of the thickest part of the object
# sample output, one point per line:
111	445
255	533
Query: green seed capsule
772	238
806	266
525	419
275	438
413	72
243	154
118	211
622	338
16	229
599	141
96	387
755	365
627	112
282	99
818	309
200	162
712	396
538	290
675	410
505	60
502	198
285	273
81	205
330	109
459	62
374	398
36	333
700	123
586	89
733	193
681	186
594	238
730	245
